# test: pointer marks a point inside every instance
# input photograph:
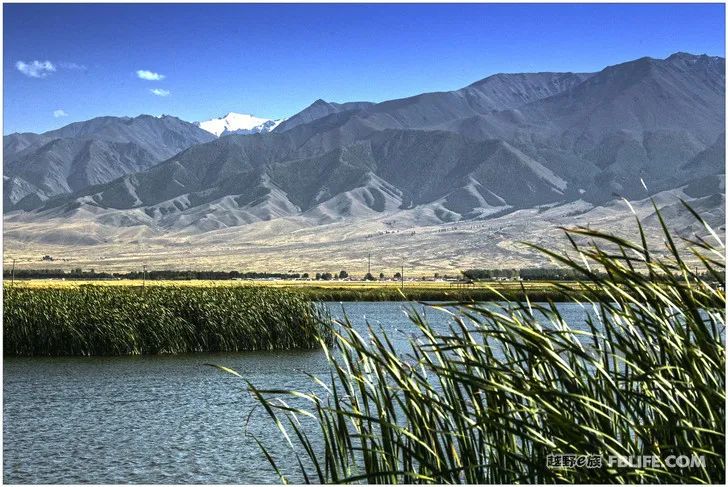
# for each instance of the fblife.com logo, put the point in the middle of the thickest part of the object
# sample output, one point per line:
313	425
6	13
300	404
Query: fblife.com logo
616	461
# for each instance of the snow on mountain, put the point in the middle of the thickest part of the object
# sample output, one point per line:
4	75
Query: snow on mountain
238	123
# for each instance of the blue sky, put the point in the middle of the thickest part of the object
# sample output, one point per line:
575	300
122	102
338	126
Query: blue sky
274	60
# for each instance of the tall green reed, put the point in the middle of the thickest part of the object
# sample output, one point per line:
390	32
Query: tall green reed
509	385
113	320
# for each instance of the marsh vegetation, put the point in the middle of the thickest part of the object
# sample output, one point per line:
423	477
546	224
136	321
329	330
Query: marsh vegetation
105	320
507	386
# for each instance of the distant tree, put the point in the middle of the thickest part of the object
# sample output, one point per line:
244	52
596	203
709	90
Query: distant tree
318	276
478	274
305	275
397	275
381	275
537	273
369	277
343	275
327	276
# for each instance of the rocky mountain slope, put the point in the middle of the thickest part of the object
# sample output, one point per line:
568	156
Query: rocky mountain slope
505	143
39	166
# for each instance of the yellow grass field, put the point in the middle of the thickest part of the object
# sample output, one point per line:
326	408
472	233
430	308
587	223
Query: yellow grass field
334	284
414	290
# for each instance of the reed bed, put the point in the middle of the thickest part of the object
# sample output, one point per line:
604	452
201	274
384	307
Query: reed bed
104	320
490	400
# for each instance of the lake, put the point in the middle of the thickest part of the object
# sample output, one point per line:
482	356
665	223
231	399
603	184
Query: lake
165	419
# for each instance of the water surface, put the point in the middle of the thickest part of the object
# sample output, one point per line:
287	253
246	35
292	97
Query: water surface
164	419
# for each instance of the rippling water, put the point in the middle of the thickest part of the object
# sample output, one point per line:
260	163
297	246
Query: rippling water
162	419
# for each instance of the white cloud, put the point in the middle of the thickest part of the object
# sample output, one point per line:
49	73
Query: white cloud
59	113
35	69
149	75
159	92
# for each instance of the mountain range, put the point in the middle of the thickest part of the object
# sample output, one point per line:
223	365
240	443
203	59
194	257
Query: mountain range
506	143
74	157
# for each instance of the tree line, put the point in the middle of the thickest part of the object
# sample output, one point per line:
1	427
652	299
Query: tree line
172	275
166	275
526	274
150	274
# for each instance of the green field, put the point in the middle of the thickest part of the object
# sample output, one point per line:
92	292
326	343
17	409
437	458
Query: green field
345	290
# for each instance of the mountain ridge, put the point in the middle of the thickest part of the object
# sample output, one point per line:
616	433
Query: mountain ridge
40	166
505	143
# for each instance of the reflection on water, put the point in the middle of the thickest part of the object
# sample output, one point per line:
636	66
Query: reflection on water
163	419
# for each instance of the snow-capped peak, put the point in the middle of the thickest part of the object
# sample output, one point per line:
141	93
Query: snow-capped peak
238	123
